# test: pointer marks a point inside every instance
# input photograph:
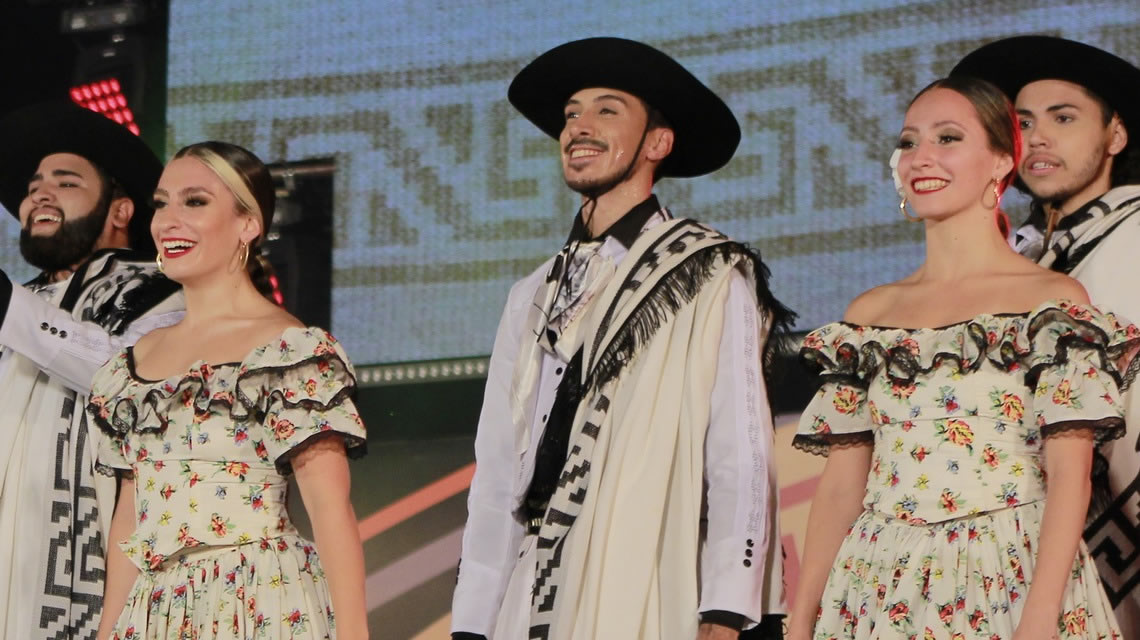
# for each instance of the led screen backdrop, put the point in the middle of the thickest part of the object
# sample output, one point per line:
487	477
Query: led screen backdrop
444	195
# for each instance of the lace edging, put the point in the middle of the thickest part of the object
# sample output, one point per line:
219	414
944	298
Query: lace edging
820	444
1103	429
354	447
123	414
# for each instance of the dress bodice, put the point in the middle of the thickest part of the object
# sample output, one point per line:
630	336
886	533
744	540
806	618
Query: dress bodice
958	414
210	450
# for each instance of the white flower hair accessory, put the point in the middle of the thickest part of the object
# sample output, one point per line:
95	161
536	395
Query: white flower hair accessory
894	162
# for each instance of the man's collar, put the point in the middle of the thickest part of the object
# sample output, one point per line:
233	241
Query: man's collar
1107	202
626	229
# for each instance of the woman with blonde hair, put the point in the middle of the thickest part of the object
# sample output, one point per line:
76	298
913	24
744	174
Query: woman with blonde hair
959	411
204	420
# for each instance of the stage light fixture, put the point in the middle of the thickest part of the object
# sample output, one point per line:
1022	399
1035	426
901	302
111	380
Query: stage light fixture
105	96
101	17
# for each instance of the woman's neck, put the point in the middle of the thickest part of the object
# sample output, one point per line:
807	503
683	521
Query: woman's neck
215	297
963	245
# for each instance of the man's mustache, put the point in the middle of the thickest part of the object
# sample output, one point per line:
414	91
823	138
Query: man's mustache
587	141
32	214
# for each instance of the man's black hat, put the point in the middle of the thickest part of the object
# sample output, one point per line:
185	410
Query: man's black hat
29	134
1012	63
705	133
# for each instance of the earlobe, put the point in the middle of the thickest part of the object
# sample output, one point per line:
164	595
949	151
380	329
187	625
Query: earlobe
251	230
1119	136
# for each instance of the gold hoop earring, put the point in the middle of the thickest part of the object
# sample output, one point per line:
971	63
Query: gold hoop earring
244	254
158	261
906	214
997	196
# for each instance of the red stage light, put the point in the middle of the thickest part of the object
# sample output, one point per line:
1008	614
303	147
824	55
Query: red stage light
106	97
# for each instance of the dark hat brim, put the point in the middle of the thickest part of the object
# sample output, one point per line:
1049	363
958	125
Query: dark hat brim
31	133
1012	63
705	132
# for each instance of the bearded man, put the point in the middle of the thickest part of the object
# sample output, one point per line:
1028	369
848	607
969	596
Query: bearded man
624	485
1079	112
80	186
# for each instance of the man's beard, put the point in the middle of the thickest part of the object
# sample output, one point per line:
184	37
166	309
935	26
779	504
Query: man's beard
597	187
1083	177
71	243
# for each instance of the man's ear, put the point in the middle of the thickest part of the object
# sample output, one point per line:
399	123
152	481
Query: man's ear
659	144
1118	136
120	213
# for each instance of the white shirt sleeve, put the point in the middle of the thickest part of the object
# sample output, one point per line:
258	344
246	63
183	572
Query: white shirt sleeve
738	450
492	535
63	347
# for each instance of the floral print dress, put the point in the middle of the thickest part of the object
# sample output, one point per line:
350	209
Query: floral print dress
945	548
210	451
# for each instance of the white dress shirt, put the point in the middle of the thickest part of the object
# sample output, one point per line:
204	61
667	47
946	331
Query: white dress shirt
738	474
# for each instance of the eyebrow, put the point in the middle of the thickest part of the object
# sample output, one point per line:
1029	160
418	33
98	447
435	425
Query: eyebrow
605	96
937	124
57	173
183	192
1052	109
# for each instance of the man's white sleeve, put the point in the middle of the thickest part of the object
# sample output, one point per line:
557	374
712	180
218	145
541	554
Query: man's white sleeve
738	449
65	348
492	536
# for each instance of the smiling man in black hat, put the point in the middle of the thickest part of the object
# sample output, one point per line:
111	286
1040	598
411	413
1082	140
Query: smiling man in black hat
1079	108
624	486
80	186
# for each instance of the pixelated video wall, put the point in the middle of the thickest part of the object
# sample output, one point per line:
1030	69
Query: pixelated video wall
444	195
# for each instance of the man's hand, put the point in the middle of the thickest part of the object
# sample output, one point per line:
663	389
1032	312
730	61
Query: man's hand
709	631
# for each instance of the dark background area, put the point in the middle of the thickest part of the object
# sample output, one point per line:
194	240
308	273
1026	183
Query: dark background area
40	60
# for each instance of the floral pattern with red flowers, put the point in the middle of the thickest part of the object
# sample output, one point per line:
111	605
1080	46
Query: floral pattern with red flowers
957	418
210	451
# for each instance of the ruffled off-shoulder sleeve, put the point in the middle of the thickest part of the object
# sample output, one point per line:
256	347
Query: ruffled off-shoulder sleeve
111	448
1080	359
838	413
299	390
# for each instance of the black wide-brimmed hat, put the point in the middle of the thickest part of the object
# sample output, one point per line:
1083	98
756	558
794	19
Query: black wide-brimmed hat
705	133
1012	63
29	134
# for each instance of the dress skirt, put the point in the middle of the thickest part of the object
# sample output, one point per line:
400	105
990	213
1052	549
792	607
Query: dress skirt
269	589
962	579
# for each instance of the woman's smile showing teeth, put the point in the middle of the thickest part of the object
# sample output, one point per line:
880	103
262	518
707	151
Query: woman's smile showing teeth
175	247
927	185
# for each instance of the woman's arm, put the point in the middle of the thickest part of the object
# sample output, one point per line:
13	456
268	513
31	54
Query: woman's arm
121	572
837	502
1068	463
322	475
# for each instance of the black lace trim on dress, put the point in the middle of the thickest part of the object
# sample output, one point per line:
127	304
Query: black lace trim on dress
1089	338
1103	430
113	472
124	414
354	447
820	444
856	365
